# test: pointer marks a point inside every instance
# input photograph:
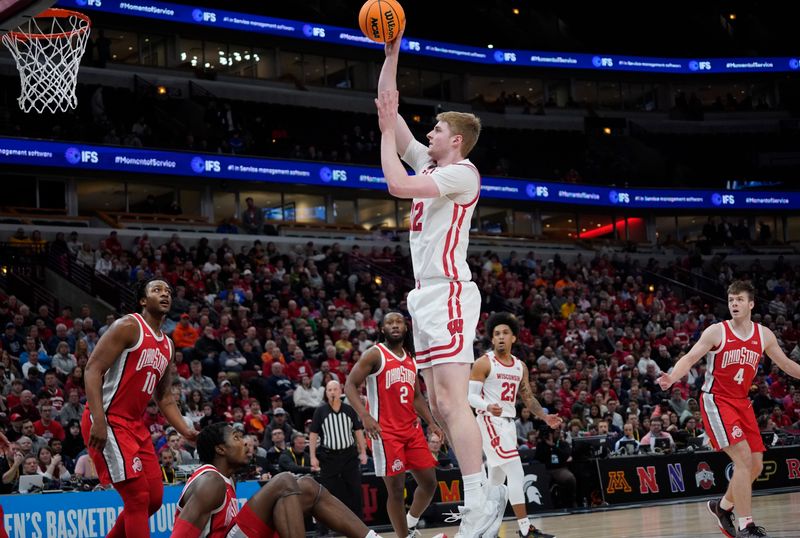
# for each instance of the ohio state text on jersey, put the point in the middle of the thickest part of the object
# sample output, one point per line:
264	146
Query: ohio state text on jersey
732	366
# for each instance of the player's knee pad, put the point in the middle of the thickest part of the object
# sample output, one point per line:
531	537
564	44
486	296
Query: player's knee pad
516	476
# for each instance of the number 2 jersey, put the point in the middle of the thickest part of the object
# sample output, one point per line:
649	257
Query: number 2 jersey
390	393
502	384
130	382
439	228
733	364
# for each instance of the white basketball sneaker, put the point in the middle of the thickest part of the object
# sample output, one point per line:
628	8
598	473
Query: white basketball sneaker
481	521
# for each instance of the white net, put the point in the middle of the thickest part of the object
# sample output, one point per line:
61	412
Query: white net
48	50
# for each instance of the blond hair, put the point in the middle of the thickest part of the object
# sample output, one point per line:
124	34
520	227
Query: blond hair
465	124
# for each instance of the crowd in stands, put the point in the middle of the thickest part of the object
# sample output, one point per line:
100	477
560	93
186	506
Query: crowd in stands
258	334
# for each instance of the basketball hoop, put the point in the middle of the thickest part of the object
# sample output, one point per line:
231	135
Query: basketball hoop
48	50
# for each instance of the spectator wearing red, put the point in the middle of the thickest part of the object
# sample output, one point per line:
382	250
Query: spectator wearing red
46	427
151	416
52	390
26	409
271	354
779	418
299	367
225	401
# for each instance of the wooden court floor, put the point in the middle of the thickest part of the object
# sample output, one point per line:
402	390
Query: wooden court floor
779	514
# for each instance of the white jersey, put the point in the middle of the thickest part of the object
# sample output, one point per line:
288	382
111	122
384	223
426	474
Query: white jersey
439	230
502	384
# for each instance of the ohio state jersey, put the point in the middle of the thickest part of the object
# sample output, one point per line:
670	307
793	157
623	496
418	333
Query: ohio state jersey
221	519
732	366
390	392
439	229
130	382
502	384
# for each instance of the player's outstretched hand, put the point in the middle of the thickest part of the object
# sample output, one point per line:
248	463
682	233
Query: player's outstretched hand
495	409
665	381
372	428
554	421
392	48
191	435
98	434
387	103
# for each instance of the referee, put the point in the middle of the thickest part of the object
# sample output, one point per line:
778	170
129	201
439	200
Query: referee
339	431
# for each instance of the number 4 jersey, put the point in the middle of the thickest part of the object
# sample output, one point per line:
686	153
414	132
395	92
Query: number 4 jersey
130	382
502	384
732	366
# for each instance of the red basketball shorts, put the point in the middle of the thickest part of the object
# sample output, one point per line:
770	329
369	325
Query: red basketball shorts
128	453
395	454
248	525
729	421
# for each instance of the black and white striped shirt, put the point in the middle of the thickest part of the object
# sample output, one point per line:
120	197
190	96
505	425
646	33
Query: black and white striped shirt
336	428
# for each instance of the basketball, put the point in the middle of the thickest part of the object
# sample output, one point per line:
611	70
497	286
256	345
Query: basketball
381	20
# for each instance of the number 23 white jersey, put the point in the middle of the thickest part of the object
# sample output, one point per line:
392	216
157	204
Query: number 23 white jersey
502	384
439	228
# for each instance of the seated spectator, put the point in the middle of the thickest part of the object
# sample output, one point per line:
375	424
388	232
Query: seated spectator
524	424
63	361
627	435
306	399
255	422
225	401
180	455
299	366
780	420
296	458
439	452
231	359
277	442
52	466
198	381
26	409
167	460
46	427
73	443
75	381
656	432
185	335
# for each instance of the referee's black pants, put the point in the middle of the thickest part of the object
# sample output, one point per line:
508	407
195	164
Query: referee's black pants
340	473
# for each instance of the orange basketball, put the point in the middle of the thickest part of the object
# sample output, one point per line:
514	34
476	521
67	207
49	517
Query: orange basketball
381	20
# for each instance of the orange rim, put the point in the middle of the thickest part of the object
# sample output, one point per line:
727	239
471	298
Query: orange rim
56	14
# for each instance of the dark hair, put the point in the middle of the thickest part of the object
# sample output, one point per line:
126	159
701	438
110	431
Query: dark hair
502	318
211	436
141	287
408	340
742	286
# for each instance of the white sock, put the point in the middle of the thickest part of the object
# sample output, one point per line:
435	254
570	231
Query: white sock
725	504
745	521
411	521
524	525
473	492
372	534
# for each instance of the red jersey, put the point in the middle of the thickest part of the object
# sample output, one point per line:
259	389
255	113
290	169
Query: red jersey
733	364
130	382
222	518
390	393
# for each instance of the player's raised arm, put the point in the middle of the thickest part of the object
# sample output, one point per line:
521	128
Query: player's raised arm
774	352
368	364
204	495
387	81
710	339
478	374
123	334
397	179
